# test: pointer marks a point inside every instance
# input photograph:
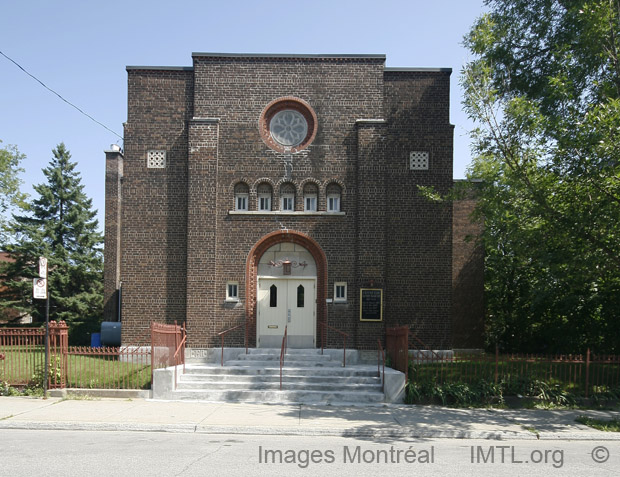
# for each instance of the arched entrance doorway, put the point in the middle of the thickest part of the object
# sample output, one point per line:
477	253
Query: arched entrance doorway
286	283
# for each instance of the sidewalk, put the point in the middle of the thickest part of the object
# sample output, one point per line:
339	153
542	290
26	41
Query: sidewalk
295	420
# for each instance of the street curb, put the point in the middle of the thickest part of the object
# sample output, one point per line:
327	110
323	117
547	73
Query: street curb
100	393
309	432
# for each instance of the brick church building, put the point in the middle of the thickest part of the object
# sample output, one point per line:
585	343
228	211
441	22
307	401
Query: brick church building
282	191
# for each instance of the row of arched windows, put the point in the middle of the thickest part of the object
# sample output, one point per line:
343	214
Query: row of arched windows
288	197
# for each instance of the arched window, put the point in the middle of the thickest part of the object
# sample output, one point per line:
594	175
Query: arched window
287	197
273	296
334	194
242	194
311	194
264	197
300	296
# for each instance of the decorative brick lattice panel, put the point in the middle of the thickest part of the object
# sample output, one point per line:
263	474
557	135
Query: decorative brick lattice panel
418	161
156	159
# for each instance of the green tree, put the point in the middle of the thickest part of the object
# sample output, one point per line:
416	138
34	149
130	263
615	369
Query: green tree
544	90
10	183
59	224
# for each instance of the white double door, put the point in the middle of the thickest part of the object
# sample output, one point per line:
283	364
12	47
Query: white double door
286	302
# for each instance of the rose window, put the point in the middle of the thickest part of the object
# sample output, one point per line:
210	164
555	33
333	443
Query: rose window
288	127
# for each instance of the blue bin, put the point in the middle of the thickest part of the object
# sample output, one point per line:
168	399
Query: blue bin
95	340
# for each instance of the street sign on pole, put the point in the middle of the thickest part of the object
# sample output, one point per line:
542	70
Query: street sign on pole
39	288
42	267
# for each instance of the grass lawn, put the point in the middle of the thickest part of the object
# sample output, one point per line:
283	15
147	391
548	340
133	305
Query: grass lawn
612	425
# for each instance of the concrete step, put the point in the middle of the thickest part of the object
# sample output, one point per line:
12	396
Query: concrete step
288	357
287	363
241	378
276	351
274	385
307	377
284	396
367	371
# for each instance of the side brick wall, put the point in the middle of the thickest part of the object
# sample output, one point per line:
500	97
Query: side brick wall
154	201
467	277
420	245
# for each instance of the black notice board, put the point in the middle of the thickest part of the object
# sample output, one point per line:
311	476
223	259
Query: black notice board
371	304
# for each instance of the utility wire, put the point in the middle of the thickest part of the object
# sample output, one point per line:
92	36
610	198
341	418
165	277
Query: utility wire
51	90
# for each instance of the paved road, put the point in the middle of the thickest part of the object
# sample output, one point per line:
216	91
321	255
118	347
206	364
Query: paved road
56	453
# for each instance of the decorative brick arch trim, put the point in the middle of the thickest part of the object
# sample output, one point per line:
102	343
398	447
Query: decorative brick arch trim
281	104
251	273
242	180
334	181
262	180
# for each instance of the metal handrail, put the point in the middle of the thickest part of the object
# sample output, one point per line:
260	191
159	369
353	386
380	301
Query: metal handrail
221	334
180	344
380	354
425	346
139	340
342	333
283	352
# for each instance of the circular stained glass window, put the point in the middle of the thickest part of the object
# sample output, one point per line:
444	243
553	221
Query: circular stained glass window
288	125
288	128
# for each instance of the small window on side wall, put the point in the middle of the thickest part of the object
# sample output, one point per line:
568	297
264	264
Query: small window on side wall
232	291
311	194
340	292
242	194
287	197
264	197
334	194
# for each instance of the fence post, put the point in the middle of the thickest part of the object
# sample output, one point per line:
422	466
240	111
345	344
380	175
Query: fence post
152	352
58	351
587	371
63	331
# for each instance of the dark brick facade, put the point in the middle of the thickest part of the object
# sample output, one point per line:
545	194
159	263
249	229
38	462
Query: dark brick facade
467	276
174	242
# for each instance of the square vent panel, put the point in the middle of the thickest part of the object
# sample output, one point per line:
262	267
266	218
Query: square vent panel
418	161
156	159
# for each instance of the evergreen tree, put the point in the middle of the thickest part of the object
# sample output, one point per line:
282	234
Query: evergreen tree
60	225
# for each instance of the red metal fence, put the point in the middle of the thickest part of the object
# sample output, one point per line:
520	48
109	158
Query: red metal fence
22	352
579	374
167	347
397	347
22	358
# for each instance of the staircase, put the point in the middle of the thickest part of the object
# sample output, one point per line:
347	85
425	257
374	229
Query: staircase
307	377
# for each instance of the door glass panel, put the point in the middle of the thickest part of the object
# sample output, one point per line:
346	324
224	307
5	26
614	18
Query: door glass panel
273	296
300	296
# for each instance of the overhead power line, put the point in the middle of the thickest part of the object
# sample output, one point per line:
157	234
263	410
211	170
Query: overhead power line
60	96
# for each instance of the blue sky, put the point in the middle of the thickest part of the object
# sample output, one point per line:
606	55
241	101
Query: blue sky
80	50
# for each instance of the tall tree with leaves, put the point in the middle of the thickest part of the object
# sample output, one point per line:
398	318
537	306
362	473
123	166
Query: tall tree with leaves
544	89
60	225
10	183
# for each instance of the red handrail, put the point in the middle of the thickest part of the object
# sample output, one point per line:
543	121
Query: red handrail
424	345
221	334
283	352
380	353
342	333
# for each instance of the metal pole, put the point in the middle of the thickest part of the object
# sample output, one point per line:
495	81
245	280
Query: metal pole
47	342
